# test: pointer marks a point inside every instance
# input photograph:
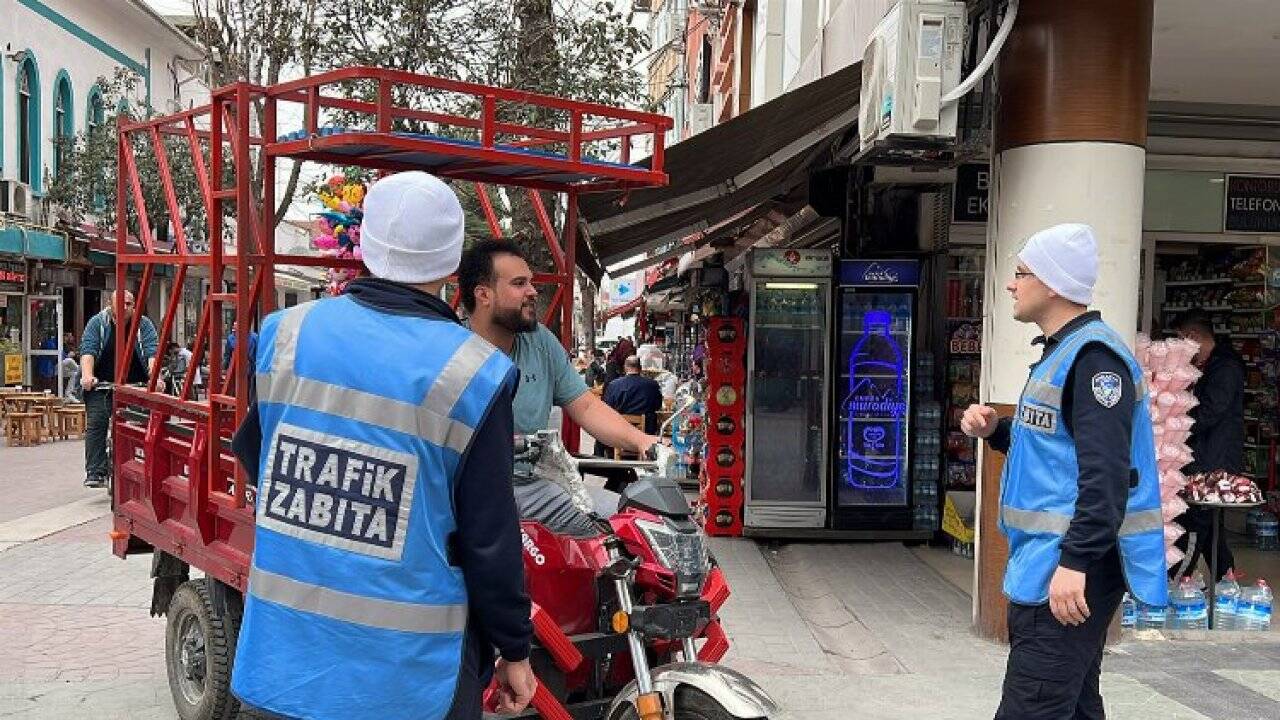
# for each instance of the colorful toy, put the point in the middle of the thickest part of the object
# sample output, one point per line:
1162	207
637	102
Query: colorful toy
338	227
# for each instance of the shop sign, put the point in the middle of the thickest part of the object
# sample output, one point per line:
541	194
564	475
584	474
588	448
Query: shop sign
770	261
13	276
12	369
965	339
895	273
969	198
1253	204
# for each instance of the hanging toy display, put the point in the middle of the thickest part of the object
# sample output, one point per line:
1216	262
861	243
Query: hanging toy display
1169	374
339	227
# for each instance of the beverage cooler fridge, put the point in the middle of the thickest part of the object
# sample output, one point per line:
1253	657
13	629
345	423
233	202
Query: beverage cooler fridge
787	386
872	405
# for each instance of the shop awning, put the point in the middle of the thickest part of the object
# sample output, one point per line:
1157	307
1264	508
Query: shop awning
726	169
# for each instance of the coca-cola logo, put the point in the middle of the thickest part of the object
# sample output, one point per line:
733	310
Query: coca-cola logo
727	333
877	273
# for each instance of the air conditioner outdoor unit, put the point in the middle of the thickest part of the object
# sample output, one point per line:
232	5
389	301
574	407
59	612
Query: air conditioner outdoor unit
701	117
911	60
15	198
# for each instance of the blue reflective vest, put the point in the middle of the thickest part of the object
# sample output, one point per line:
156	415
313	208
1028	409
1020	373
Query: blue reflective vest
353	608
1039	484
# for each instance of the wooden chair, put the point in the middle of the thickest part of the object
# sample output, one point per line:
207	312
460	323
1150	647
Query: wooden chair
70	421
23	428
638	422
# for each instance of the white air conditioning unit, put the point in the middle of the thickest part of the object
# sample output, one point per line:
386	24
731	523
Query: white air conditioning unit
701	117
15	198
911	60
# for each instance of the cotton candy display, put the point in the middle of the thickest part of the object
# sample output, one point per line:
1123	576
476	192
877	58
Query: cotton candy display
1169	375
339	226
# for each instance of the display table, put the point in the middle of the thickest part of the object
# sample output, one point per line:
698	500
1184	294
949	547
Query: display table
1218	510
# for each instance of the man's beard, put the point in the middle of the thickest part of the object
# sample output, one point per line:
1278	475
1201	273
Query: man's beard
514	321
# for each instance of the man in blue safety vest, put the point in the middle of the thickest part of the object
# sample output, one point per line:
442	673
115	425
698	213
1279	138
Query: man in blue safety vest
1079	497
387	562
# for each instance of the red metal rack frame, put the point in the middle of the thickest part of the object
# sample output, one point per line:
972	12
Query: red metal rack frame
182	492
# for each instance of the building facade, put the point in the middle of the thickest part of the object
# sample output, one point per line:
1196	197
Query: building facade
54	54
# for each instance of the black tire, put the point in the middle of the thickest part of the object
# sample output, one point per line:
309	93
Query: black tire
199	649
691	704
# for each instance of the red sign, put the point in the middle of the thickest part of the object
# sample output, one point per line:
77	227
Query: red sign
13	273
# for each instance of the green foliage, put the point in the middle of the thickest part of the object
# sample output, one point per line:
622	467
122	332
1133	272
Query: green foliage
85	187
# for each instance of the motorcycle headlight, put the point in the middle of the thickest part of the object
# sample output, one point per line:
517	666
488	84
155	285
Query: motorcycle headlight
684	553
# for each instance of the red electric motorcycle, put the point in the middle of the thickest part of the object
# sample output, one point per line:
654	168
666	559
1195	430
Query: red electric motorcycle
624	613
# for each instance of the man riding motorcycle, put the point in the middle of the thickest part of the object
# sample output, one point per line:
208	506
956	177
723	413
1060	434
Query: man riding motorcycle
498	293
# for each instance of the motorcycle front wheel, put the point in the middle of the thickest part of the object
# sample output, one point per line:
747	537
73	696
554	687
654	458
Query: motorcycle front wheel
691	704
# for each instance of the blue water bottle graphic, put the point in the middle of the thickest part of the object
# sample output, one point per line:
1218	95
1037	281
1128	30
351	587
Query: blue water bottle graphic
875	406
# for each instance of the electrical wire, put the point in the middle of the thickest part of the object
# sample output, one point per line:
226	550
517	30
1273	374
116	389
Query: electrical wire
993	51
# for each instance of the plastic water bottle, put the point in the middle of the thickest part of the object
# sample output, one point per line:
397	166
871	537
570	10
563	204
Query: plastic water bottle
1150	617
1128	612
1227	603
1190	612
875	407
1268	533
1255	607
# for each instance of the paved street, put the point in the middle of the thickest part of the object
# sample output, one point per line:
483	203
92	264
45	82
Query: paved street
832	630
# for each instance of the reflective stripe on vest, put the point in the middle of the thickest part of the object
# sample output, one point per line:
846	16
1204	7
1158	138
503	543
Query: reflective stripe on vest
1052	523
373	612
430	420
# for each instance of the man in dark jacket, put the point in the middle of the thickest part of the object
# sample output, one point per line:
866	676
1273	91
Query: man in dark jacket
635	394
1217	437
98	364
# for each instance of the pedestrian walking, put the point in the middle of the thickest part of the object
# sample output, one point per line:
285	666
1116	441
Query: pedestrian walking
1080	499
387	561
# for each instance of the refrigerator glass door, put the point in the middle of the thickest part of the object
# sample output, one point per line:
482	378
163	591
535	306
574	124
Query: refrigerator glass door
873	397
788	364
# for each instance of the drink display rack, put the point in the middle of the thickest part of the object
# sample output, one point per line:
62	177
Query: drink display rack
964	361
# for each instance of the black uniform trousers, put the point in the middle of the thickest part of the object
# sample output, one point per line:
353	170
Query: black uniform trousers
1053	669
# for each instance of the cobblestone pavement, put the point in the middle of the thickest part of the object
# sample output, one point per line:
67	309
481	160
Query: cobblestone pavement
863	631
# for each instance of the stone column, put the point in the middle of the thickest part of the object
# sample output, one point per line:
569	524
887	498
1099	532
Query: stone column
1070	131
